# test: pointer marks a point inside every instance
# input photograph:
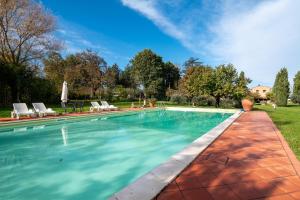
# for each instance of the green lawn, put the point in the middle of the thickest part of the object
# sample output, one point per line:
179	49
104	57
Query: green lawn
287	119
5	112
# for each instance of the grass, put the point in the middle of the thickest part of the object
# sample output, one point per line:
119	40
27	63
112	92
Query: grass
5	111
287	119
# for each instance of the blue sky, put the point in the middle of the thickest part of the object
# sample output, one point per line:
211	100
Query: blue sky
257	36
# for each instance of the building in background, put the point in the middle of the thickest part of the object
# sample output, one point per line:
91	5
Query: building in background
261	92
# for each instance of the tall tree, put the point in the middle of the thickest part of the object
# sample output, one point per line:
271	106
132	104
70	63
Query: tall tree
196	81
171	75
192	62
296	88
25	29
112	76
54	67
281	88
25	36
126	77
223	82
85	70
241	89
147	69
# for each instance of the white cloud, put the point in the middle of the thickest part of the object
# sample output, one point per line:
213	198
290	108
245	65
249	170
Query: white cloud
260	40
154	11
259	37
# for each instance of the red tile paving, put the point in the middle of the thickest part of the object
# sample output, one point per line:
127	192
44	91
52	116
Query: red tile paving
250	160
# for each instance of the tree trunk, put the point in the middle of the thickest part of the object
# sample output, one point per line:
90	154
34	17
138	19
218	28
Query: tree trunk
218	101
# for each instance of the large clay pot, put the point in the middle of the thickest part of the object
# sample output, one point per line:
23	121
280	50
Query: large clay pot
247	104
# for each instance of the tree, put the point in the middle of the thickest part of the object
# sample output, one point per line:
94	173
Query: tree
191	62
126	77
223	82
147	70
196	81
171	75
112	76
296	88
281	88
241	89
85	70
25	37
54	67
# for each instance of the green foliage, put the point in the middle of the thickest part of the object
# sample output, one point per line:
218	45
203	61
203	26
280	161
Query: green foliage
191	62
270	95
152	74
228	103
196	81
203	101
296	89
241	89
54	68
171	75
281	88
111	76
224	82
179	99
147	70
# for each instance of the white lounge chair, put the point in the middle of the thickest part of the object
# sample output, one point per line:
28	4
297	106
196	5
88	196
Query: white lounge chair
20	109
107	106
96	106
41	109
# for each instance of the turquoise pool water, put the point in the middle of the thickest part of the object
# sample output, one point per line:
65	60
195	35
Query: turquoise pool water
93	157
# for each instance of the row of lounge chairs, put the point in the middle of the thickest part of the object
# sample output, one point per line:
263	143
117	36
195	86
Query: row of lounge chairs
104	106
21	109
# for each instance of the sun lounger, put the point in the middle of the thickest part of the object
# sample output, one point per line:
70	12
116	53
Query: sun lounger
20	109
41	109
96	106
107	106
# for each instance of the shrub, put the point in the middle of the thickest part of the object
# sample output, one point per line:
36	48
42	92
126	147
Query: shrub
204	101
211	101
228	103
178	99
296	99
281	88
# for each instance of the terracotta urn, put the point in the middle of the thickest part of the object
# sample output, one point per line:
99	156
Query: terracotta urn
247	105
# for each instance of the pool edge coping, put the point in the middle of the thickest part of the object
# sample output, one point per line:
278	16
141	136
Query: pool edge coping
153	182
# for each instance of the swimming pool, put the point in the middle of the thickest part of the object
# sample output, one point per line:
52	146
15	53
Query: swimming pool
93	157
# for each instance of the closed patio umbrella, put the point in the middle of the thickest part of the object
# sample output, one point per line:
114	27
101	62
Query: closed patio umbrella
64	92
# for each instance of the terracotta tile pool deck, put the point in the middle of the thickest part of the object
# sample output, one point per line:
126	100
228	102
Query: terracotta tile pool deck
250	160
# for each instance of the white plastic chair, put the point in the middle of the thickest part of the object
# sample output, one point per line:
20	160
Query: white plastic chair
21	109
96	106
107	106
41	109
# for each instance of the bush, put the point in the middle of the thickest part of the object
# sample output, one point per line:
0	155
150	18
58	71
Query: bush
199	101
178	99
228	103
211	101
204	101
296	99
